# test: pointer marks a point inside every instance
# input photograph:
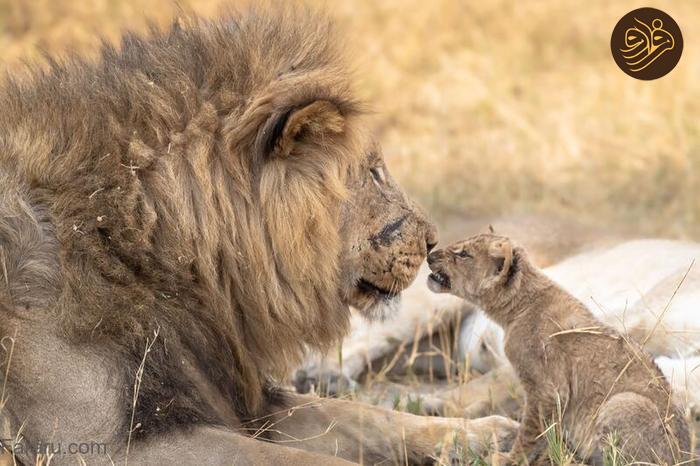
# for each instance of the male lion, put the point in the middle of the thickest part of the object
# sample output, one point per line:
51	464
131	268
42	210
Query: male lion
599	386
179	222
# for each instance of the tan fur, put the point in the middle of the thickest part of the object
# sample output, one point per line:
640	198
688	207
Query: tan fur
179	223
575	370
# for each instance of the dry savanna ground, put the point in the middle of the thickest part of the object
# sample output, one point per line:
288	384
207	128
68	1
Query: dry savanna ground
484	107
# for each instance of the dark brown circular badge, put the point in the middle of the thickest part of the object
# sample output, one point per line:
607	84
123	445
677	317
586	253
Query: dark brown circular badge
646	43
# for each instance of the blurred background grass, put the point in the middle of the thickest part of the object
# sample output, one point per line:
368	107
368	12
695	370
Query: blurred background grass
492	106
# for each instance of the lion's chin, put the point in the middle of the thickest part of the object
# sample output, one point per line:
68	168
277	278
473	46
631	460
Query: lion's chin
380	309
371	301
374	306
374	303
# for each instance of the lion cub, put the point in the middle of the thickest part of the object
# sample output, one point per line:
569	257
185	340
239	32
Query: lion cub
598	387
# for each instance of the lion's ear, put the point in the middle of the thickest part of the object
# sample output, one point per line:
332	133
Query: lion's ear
315	121
501	252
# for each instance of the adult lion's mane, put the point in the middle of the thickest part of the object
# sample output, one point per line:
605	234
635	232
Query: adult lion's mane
173	220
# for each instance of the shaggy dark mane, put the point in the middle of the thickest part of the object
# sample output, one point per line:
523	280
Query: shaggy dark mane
170	212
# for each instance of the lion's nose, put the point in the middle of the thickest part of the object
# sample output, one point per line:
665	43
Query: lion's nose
430	246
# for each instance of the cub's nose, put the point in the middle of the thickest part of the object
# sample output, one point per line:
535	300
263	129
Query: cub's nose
433	257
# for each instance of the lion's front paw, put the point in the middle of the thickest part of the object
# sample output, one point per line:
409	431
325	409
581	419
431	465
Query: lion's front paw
505	430
498	458
493	433
477	439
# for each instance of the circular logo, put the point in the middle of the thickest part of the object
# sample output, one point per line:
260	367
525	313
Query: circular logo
646	43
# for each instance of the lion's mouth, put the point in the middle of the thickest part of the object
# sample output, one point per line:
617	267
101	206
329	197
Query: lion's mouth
376	291
441	279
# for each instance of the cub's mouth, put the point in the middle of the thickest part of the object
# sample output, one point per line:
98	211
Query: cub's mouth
376	292
439	281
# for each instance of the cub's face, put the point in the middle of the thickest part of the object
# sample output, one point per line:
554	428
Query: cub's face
470	267
386	235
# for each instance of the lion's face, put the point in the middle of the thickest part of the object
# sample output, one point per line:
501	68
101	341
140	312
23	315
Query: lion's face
386	238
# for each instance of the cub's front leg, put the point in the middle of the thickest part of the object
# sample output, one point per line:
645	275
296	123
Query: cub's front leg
530	446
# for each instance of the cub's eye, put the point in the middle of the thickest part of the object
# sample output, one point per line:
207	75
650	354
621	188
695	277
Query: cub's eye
464	254
377	174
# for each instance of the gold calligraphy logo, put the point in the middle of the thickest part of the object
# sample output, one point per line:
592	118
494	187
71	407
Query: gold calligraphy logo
647	43
644	44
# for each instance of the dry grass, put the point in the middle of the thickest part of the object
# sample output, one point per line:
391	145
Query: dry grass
504	105
501	105
498	106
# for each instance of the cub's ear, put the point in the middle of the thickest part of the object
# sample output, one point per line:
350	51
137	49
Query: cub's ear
284	132
501	252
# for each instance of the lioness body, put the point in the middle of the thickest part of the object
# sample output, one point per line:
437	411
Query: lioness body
575	371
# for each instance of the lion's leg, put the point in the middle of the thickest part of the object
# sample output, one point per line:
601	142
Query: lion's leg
369	434
496	392
212	446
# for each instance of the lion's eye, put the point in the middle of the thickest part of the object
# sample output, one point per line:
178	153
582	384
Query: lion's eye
464	254
377	174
